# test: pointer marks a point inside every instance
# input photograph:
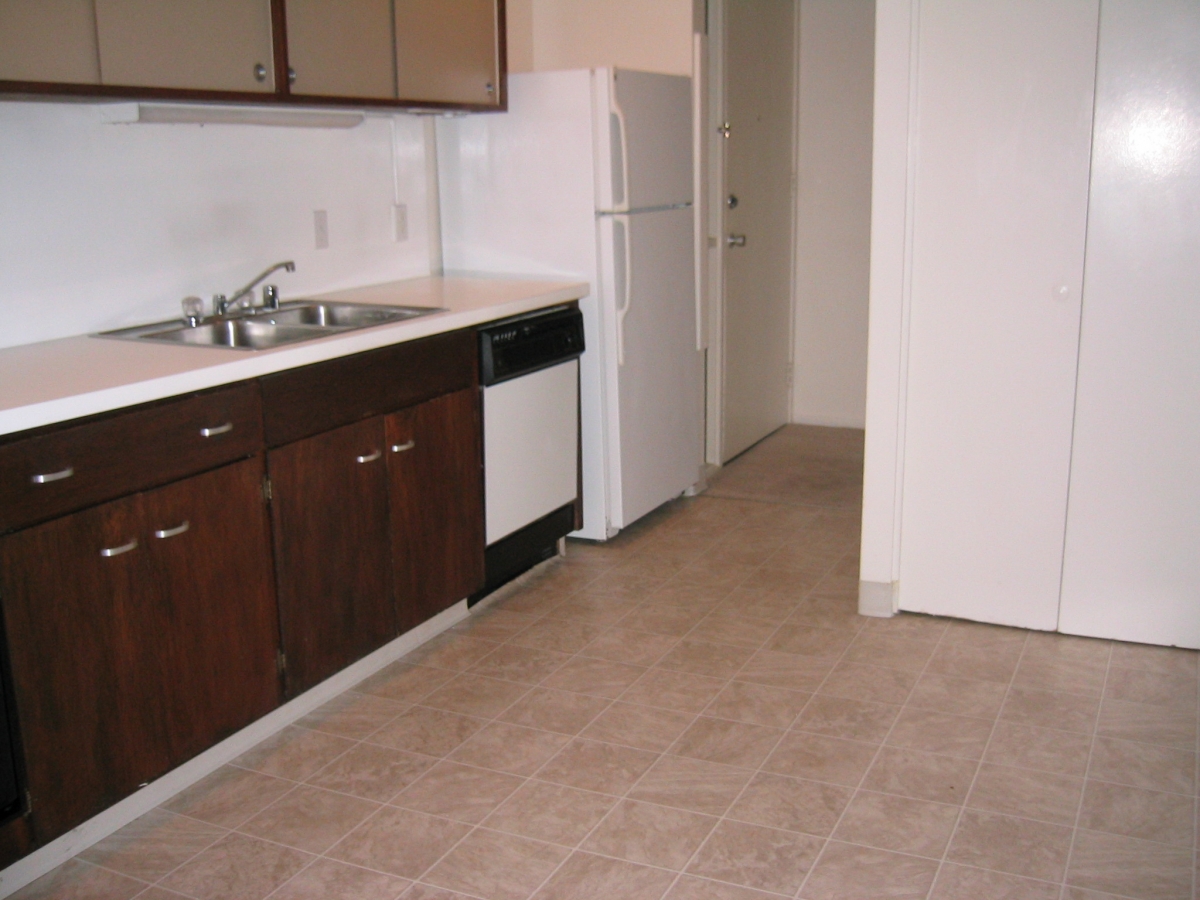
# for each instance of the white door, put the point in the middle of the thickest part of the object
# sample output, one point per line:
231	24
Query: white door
759	165
1004	105
1132	567
657	406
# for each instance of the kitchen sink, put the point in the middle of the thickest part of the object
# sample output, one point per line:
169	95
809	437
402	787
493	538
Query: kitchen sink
339	315
295	320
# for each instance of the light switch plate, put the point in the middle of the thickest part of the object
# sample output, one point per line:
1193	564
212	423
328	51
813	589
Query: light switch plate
400	221
321	228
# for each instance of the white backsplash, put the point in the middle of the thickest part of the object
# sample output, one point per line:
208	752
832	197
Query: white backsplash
104	225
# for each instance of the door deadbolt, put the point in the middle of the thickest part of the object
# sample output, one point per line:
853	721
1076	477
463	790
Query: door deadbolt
732	201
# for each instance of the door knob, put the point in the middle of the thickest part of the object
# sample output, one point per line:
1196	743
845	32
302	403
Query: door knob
735	240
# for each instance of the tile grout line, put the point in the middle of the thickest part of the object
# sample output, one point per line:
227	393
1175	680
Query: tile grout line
661	754
870	765
664	753
1087	769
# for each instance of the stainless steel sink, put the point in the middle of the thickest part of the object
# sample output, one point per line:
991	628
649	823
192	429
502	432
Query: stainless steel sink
238	334
296	320
339	315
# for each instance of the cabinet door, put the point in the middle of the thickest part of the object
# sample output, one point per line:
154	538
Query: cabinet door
209	553
1004	110
341	49
435	476
448	51
217	45
87	703
48	40
329	508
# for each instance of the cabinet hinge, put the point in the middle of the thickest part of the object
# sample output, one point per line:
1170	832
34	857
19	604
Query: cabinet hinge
281	661
268	492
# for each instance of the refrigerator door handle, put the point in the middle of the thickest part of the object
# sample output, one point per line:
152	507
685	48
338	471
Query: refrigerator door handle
621	145
623	244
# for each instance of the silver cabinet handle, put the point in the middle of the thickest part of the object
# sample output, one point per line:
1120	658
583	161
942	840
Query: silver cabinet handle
370	457
117	551
216	429
171	532
736	240
260	72
52	476
400	448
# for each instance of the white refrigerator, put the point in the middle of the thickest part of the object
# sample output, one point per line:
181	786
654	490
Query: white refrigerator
589	174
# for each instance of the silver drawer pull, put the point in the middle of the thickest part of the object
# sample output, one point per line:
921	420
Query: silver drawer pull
171	532
52	476
213	432
370	457
117	551
400	448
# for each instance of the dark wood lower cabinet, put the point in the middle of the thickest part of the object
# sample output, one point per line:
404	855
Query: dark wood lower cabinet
210	568
435	482
329	508
128	651
84	674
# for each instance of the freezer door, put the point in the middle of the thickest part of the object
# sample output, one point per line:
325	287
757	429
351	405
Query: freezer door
656	376
643	127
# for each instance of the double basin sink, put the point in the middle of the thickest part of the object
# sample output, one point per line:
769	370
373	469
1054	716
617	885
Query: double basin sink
293	321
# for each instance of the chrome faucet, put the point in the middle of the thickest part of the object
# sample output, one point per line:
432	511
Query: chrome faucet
223	306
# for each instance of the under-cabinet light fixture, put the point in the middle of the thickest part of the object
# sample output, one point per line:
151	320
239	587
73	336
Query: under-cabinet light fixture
194	114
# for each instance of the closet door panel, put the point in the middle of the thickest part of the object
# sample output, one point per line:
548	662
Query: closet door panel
1132	566
1003	136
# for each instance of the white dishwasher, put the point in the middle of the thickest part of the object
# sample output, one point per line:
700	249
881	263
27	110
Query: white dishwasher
529	369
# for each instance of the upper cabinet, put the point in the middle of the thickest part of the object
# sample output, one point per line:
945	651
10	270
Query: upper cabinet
403	53
341	49
217	45
449	50
48	40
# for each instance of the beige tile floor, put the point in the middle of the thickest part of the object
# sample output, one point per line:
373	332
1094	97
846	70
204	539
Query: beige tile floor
695	711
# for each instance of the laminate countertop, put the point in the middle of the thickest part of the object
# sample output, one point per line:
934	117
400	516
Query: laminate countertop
56	381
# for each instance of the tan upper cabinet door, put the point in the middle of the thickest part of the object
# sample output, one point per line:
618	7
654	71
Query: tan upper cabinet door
214	45
48	40
341	48
447	51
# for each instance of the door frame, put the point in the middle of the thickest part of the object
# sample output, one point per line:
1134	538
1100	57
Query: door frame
709	73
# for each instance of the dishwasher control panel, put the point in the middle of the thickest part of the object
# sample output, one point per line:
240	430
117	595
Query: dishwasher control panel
523	344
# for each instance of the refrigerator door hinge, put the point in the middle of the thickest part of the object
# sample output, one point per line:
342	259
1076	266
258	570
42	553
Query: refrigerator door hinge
281	661
267	491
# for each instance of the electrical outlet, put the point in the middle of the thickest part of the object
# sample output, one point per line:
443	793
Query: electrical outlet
321	228
400	221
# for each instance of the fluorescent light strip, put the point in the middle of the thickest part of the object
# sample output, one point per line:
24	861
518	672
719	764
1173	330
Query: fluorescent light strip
190	114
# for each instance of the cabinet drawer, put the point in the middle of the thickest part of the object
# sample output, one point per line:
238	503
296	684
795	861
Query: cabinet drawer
76	466
306	401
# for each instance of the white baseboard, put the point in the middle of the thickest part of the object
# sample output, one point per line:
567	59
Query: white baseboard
78	839
877	598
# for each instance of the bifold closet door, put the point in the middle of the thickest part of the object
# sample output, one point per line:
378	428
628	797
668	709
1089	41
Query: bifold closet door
1132	566
1003	136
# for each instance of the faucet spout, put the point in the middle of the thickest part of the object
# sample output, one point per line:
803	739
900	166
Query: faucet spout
223	305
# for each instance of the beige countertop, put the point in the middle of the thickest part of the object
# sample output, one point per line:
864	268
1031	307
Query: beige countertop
55	381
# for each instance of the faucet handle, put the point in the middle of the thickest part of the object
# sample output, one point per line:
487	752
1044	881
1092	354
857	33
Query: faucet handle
270	295
193	310
220	305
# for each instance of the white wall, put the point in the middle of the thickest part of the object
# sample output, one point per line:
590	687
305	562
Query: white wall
833	211
545	35
104	225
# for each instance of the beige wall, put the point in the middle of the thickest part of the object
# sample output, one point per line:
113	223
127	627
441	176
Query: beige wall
653	35
833	216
